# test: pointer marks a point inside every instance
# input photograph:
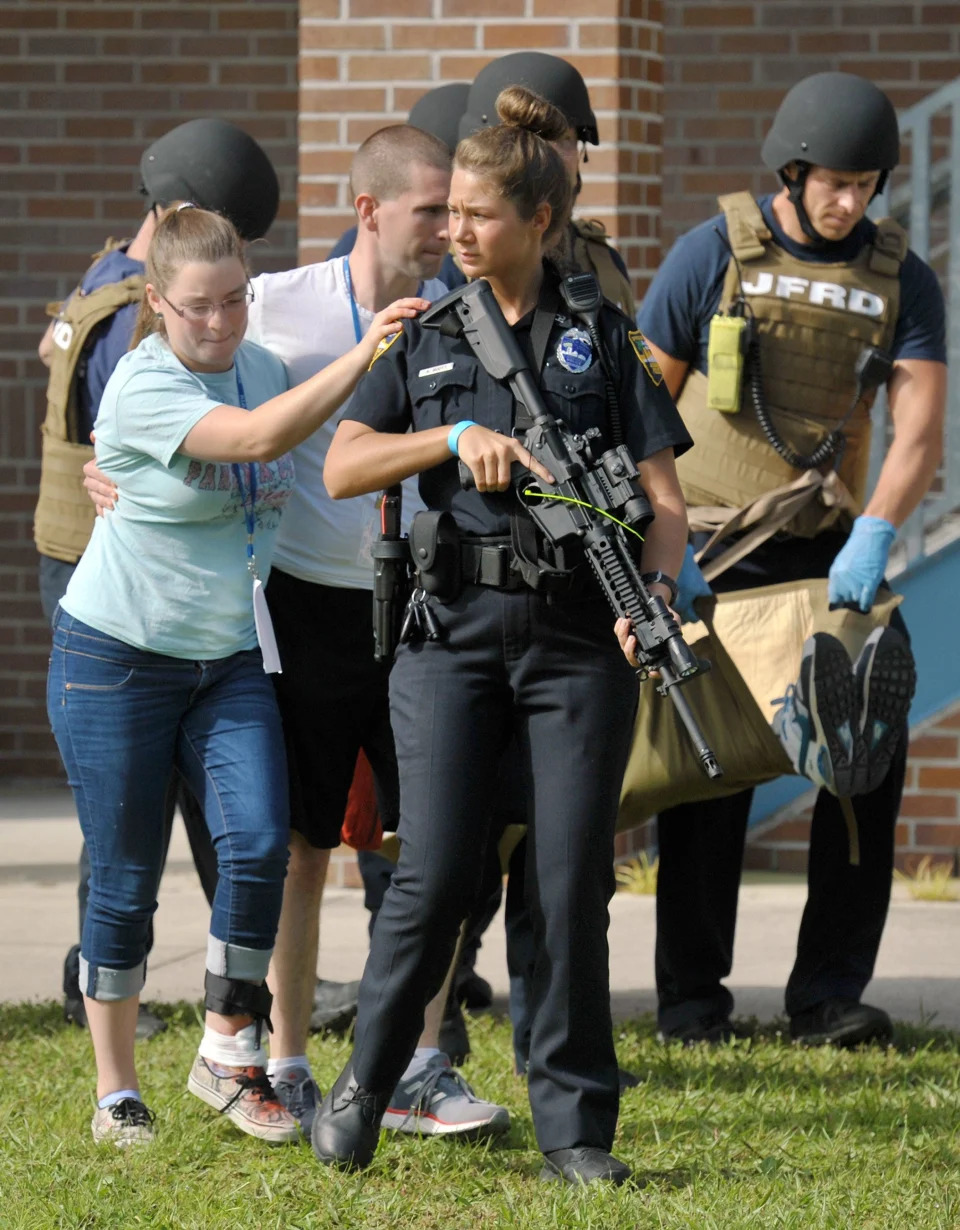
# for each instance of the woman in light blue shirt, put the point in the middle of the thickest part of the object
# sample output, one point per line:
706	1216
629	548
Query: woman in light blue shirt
161	645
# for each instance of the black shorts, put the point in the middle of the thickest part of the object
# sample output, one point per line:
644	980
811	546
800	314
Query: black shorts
333	701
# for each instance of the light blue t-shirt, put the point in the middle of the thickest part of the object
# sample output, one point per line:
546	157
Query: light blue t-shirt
166	570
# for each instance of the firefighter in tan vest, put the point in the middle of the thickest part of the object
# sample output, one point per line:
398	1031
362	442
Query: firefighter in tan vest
217	165
774	324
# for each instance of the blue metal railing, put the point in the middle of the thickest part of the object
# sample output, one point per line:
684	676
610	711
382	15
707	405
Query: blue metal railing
931	194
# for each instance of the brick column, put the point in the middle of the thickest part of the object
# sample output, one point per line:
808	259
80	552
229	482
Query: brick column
363	63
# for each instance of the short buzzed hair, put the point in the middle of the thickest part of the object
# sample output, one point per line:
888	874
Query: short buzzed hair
381	166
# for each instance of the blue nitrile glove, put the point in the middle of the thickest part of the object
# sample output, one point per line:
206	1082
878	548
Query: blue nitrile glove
691	584
856	573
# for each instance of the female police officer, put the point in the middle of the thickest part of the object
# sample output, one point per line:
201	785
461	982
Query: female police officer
541	664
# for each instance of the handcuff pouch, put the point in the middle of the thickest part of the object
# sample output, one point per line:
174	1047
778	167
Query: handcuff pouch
435	548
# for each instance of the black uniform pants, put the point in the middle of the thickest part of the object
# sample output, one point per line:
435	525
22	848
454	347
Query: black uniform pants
551	675
701	856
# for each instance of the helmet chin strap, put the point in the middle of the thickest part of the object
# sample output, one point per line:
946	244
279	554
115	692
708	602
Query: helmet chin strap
795	189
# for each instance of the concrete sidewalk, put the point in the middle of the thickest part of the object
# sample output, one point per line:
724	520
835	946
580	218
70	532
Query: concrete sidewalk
916	978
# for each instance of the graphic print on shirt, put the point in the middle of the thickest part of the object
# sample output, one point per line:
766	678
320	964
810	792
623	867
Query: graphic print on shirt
274	485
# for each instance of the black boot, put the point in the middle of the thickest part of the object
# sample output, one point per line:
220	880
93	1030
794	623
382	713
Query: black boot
454	1039
583	1165
347	1125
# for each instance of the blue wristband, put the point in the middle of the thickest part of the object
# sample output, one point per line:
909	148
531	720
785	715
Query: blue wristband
456	432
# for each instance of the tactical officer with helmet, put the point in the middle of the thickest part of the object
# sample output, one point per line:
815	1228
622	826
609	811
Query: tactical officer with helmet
774	325
220	167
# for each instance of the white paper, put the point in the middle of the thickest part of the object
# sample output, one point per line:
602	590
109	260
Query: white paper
264	624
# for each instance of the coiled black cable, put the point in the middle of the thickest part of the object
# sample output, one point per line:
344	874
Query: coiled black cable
830	447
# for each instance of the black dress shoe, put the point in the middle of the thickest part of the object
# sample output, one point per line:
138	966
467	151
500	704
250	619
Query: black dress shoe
473	992
583	1165
334	1006
714	1030
841	1022
454	1039
346	1128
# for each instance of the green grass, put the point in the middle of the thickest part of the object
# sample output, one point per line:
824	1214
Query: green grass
756	1134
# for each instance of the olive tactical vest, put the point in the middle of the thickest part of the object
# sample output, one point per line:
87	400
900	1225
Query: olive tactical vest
65	515
591	253
813	321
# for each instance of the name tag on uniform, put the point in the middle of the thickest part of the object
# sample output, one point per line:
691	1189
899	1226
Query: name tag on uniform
435	371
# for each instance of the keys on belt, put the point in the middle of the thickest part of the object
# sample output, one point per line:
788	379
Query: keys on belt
419	622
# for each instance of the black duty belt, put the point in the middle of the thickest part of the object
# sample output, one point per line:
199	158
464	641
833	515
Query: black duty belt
490	561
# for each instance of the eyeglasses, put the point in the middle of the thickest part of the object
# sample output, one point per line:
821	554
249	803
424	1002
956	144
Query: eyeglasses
198	313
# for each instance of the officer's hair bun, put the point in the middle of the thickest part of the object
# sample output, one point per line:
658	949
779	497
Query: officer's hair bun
519	107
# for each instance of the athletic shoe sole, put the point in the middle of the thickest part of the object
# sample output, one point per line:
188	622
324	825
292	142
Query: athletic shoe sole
830	694
426	1124
886	677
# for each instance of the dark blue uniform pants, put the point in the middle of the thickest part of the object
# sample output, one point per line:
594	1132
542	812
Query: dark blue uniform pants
701	855
553	676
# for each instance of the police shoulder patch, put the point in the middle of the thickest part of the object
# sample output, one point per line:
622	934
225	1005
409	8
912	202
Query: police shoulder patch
383	346
643	352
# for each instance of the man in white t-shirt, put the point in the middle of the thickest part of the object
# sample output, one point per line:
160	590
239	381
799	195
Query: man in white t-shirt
332	694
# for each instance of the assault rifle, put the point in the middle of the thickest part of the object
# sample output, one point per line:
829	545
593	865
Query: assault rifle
593	499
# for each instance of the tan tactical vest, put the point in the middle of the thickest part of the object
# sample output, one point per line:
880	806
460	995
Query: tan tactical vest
590	253
813	319
65	515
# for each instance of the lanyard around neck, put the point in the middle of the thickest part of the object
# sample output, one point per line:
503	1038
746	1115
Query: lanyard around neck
250	490
357	327
357	331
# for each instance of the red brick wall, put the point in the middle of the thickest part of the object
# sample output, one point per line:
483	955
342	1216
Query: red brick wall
365	62
83	89
728	64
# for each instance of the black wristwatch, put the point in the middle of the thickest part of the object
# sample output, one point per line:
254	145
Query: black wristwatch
661	578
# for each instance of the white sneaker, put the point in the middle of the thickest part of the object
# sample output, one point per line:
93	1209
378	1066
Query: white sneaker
437	1101
127	1122
818	719
886	679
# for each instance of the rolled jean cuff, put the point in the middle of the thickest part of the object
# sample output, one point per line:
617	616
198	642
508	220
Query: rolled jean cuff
233	961
109	985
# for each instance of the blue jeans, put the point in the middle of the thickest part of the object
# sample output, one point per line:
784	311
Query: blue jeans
123	718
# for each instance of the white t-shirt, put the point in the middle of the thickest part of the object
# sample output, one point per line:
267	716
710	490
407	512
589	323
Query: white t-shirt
304	316
167	569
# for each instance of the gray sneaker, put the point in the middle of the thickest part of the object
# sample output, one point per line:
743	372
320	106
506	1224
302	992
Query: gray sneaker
246	1097
301	1095
437	1101
886	679
127	1122
817	722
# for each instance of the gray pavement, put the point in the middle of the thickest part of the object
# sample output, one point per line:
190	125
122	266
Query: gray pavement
916	978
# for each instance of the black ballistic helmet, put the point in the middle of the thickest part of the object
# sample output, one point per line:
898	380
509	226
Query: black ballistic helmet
552	78
834	120
438	112
218	166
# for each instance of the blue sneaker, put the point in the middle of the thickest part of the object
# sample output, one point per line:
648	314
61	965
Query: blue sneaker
300	1094
818	719
886	679
437	1101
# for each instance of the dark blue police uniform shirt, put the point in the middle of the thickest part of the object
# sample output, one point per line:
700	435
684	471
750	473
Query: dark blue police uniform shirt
424	379
112	339
450	274
685	294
